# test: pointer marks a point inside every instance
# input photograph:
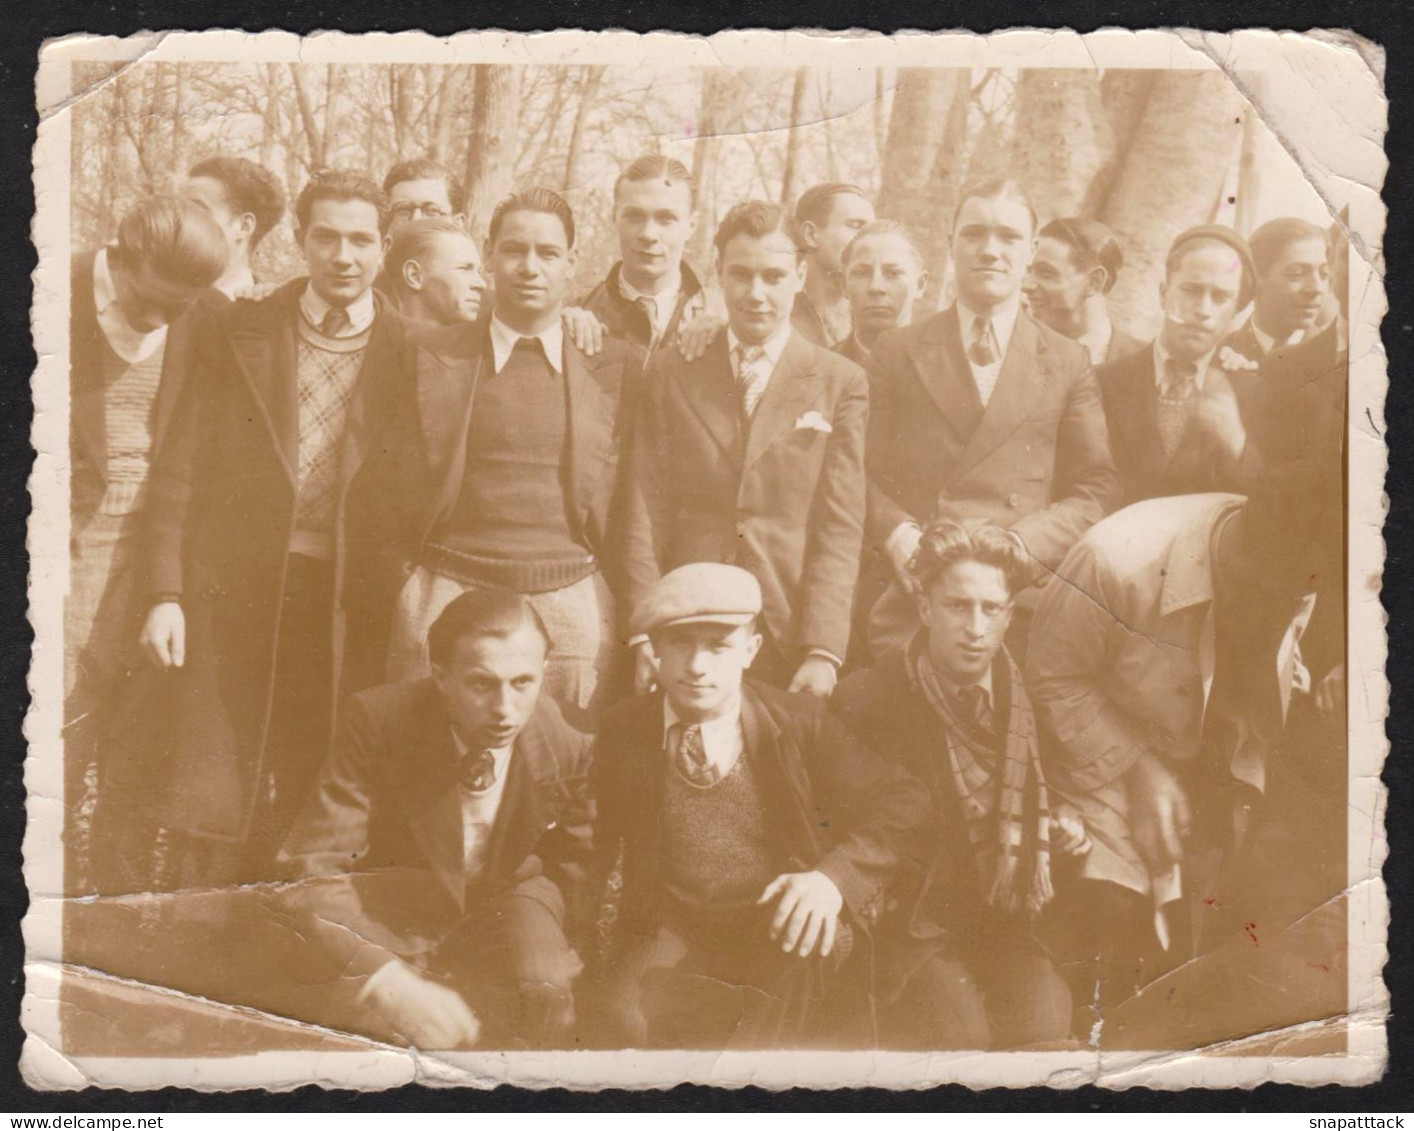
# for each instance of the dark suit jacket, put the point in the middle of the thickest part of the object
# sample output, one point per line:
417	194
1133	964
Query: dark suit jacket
602	392
88	429
1036	460
1131	399
627	323
1121	346
834	806
379	849
219	517
783	498
853	351
1244	341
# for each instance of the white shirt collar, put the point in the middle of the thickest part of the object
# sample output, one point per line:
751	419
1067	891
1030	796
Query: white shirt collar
985	683
722	739
1161	356
129	344
774	346
503	341
360	311
1097	339
1003	322
664	302
242	286
1269	343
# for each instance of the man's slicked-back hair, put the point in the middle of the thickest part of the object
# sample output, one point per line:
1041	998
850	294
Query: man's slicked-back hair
1275	236
177	239
339	184
814	204
426	169
1091	245
886	228
998	188
657	167
534	199
757	218
249	187
946	542
489	611
415	240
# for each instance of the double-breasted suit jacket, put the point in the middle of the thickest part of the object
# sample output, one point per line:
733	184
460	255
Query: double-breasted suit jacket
781	495
378	855
1131	396
1036	459
601	392
220	516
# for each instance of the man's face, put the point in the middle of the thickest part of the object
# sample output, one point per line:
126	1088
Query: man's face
848	213
1290	294
1200	300
654	221
449	279
149	301
417	200
991	249
760	279
1055	288
531	265
211	195
490	685
343	249
882	281
700	666
967	610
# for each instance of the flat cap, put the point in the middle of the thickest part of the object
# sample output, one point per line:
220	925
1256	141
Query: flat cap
700	593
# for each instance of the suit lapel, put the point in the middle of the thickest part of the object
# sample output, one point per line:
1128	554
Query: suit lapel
1021	379
520	821
446	389
592	386
793	385
371	407
264	347
780	791
435	816
942	368
706	386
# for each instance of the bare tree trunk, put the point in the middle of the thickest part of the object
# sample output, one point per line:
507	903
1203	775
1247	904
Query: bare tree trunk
313	138
1062	138
1124	95
1249	174
179	139
332	121
490	159
593	77
448	100
881	126
1174	169
793	136
718	106
270	120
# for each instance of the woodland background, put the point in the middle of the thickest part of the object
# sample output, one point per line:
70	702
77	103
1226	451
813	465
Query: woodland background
1148	152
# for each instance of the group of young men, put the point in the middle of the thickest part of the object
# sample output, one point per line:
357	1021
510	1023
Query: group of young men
676	665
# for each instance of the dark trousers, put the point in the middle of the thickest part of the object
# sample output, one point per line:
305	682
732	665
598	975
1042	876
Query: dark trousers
300	729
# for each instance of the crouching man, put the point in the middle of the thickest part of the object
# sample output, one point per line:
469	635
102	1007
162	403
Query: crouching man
962	963
757	838
441	856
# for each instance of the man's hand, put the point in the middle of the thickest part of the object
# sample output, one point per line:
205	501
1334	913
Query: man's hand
163	639
808	912
1329	694
422	1012
1218	416
1068	835
1158	812
901	546
697	335
585	330
816	676
645	669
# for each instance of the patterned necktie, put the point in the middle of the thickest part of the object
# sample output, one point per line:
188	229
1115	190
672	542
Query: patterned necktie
336	322
476	772
1180	380
975	707
649	307
983	350
1177	396
691	757
753	370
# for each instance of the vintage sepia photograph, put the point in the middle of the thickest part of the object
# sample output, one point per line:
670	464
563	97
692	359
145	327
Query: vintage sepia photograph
802	559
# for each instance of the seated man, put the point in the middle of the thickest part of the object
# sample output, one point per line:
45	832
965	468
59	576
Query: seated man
960	962
757	838
442	850
434	273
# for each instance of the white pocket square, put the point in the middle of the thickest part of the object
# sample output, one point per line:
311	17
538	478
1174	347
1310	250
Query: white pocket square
815	421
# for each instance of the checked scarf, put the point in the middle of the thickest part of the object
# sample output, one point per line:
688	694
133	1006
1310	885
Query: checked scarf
997	808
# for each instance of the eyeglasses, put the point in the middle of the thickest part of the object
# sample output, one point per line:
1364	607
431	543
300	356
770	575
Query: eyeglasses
409	210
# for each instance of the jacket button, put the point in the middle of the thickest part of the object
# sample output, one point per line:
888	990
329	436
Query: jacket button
1013	500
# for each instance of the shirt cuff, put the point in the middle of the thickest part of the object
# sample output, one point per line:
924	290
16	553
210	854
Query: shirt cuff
825	654
382	974
899	532
637	638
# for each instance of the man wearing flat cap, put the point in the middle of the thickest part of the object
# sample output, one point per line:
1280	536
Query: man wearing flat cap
1175	427
757	838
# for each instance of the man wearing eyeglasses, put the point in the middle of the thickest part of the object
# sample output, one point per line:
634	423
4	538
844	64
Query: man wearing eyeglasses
422	189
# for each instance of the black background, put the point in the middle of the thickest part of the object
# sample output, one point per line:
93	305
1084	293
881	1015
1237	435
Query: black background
24	27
